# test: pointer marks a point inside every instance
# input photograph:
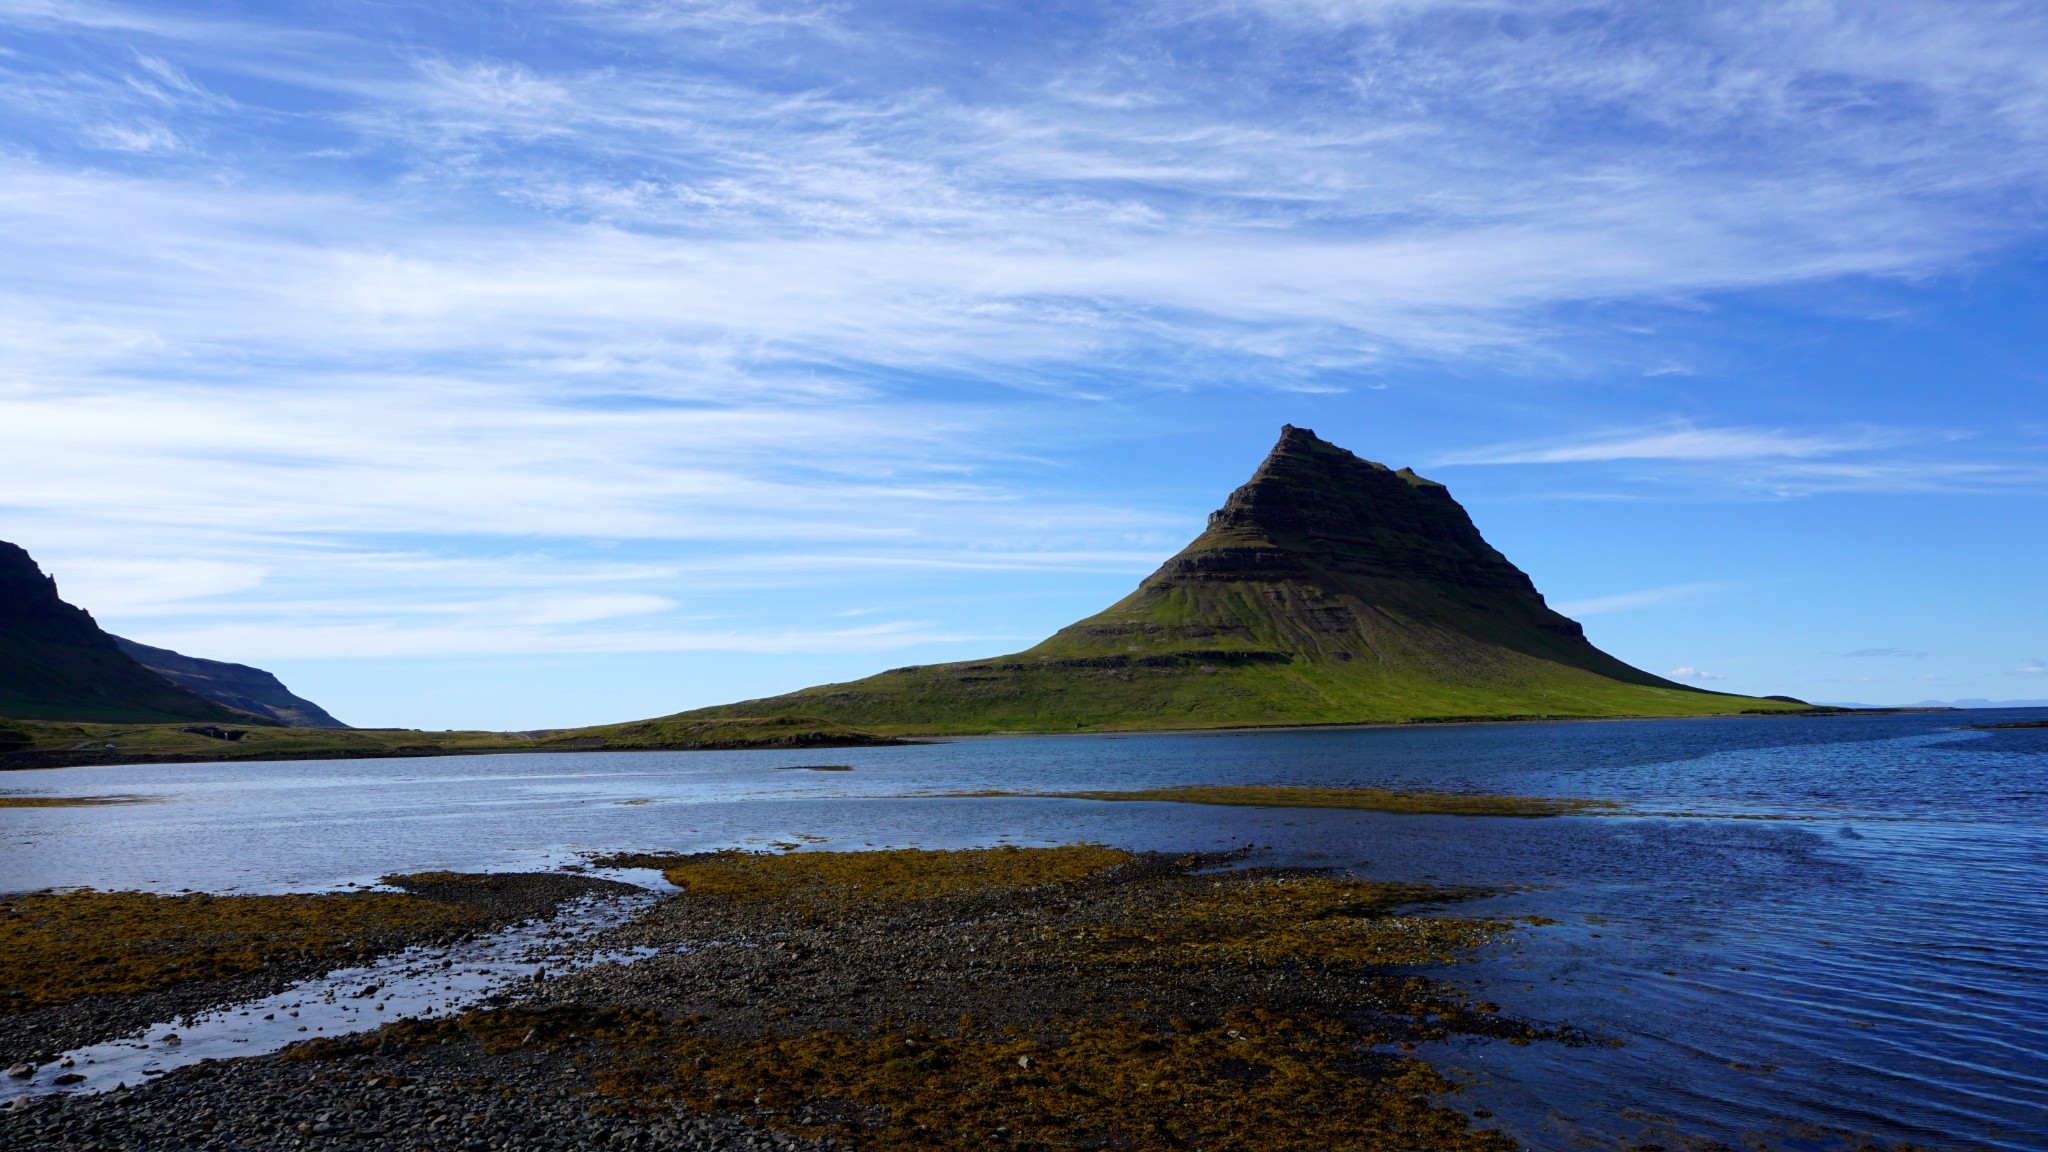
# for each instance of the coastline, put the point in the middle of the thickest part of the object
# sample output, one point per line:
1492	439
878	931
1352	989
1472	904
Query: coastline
1448	722
902	999
86	758
41	758
69	745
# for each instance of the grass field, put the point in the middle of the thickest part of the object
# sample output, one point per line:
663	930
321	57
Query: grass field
1039	691
56	745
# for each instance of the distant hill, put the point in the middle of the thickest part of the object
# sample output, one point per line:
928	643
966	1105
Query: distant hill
1326	590
236	685
48	744
57	664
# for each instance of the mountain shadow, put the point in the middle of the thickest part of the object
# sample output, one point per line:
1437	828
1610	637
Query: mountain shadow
57	664
1326	590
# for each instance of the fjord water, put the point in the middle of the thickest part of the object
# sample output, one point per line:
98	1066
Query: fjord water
1808	932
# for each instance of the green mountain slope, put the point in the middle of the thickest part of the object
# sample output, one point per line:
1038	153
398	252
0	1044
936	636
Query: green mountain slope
1327	590
238	686
57	664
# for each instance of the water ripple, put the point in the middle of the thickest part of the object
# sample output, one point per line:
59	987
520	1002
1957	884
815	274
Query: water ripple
1857	956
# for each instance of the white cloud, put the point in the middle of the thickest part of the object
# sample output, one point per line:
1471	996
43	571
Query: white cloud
1409	206
135	137
2034	668
414	639
1775	463
286	308
453	458
1631	601
1688	672
1674	444
118	585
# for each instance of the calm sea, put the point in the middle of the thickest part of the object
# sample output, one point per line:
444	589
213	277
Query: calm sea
1841	935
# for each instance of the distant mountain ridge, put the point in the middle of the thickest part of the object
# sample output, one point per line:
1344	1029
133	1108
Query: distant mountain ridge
236	685
56	663
1327	590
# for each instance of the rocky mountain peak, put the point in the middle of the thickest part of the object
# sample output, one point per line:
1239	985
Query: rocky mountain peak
29	597
22	582
1328	589
1313	503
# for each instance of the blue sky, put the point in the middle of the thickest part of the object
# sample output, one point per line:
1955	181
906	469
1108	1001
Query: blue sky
533	364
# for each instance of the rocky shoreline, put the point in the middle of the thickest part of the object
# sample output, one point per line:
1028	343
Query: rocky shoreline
38	1035
455	1100
89	757
1030	998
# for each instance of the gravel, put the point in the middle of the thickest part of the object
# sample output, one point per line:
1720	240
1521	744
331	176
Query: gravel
739	969
451	1098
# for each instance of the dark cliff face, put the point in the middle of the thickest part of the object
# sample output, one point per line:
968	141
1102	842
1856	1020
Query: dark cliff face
57	664
235	685
31	612
29	599
1325	556
1313	503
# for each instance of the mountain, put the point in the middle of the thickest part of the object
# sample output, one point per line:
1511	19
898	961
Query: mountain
235	685
1326	590
57	664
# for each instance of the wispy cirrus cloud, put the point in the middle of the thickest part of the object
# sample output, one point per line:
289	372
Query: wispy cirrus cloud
1643	598
791	190
295	292
385	639
1770	462
1683	443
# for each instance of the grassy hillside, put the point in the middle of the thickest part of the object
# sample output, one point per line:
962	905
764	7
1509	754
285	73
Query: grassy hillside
1026	694
1327	590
